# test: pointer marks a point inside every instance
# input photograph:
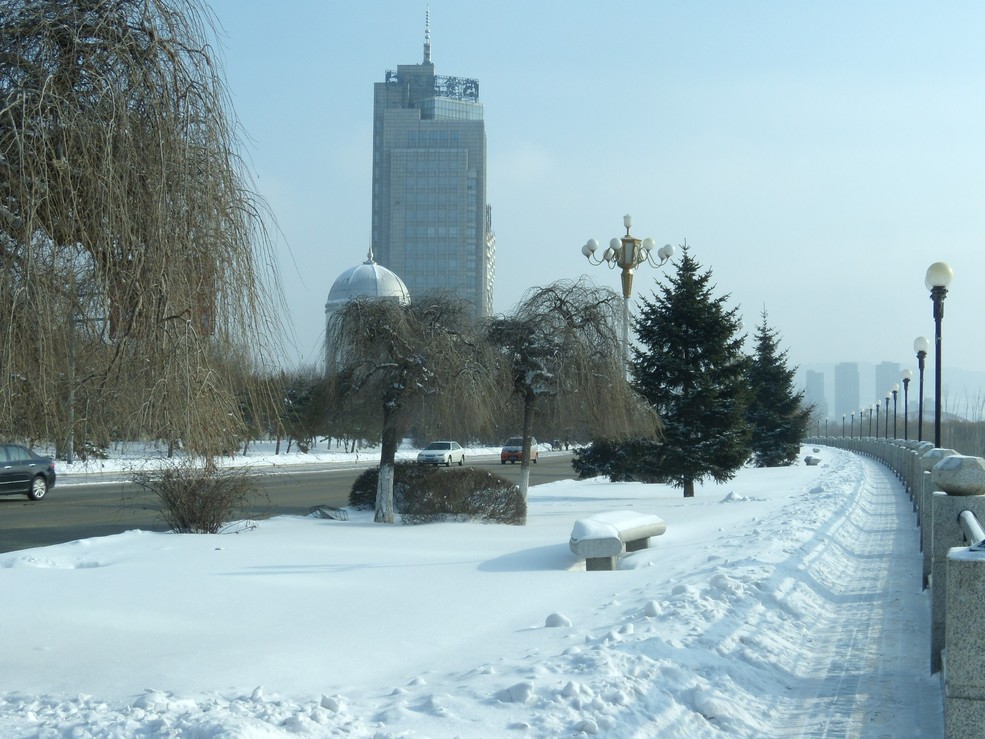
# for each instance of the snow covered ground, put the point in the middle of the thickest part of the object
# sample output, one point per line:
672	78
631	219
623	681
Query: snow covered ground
785	603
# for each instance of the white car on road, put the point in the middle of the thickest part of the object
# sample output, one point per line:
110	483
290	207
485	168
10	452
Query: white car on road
442	452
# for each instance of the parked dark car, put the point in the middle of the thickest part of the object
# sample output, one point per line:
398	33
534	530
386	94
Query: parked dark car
22	472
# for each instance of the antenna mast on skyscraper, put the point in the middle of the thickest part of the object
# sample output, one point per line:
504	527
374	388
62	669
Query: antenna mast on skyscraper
427	35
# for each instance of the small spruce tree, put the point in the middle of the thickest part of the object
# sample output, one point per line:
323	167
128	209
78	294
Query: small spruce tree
690	368
777	413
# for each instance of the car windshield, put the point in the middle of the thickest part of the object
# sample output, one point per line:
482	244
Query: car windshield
514	441
437	445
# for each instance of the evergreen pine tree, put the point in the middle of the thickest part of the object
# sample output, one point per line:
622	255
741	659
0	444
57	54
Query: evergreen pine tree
777	413
690	368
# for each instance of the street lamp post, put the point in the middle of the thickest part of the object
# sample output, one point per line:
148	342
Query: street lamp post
921	345
895	391
939	276
906	375
843	417
627	252
870	419
851	429
877	420
888	398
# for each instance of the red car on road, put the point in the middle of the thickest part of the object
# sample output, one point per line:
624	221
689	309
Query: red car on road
513	450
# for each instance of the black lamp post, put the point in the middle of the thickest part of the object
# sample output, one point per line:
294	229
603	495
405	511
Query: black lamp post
843	416
870	420
888	398
921	345
939	276
895	391
906	375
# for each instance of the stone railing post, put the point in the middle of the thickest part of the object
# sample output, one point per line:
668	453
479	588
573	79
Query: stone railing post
964	658
926	508
960	481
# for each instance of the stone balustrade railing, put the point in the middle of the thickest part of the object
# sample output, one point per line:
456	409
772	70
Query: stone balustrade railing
948	494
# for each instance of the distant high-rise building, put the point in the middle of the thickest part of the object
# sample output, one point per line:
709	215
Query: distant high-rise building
814	393
846	389
887	375
431	223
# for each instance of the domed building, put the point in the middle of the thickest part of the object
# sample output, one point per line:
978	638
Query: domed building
367	280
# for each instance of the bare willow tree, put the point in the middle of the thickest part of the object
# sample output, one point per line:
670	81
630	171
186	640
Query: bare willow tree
393	363
135	274
563	351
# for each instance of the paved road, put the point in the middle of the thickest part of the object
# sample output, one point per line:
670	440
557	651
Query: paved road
79	510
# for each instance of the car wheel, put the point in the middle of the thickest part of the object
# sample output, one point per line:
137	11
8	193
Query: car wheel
38	488
461	460
448	461
535	460
502	461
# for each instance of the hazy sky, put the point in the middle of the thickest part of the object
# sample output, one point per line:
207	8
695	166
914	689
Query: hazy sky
817	157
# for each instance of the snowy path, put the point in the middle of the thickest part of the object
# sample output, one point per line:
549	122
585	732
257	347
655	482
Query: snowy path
872	640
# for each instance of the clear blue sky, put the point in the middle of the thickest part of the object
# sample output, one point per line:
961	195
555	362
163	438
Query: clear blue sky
817	157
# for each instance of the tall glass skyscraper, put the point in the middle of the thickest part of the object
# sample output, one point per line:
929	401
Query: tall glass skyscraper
431	223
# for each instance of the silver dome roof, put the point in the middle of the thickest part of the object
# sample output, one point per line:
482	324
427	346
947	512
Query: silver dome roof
368	280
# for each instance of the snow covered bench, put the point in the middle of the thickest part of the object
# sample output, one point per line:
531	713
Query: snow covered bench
601	538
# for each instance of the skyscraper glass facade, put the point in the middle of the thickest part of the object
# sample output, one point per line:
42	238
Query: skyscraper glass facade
431	223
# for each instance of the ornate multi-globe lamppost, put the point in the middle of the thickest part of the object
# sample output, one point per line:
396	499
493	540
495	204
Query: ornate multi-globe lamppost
627	252
939	276
921	345
906	375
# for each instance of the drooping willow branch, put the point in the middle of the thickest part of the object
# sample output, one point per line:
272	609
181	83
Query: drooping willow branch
134	256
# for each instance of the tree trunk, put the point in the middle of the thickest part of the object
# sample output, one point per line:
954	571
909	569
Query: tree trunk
689	488
528	419
384	495
384	485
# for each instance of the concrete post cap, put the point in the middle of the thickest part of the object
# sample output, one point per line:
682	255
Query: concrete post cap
957	474
933	456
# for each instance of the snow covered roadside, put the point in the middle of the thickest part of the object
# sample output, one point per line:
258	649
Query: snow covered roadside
784	603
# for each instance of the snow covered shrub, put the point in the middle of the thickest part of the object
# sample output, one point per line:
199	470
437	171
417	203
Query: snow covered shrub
406	475
466	494
422	494
197	500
